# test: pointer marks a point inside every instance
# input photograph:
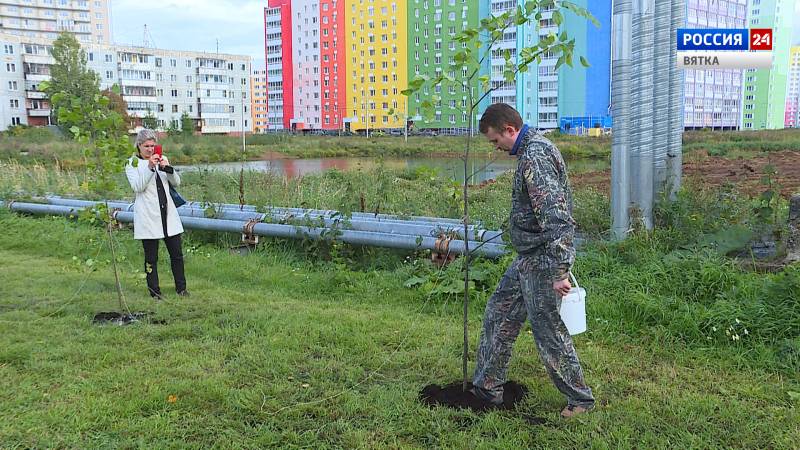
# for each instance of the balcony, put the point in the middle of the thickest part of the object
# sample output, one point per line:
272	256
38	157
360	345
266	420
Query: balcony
142	83
214	130
214	115
38	112
140	98
212	70
38	59
35	95
36	77
548	109
215	101
136	65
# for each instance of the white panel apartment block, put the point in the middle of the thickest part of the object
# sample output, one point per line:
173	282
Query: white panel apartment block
87	19
12	83
214	89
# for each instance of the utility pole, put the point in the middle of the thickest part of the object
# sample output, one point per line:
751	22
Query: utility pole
405	122
243	131
366	107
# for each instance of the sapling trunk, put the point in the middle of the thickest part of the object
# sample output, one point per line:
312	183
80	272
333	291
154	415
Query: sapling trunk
466	265
123	306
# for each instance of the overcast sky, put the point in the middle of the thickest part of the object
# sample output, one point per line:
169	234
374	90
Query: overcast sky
197	24
192	25
796	39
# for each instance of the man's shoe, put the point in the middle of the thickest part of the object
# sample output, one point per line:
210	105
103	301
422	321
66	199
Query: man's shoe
183	293
487	396
574	410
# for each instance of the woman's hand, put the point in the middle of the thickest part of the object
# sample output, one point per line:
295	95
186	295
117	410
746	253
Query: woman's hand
163	162
153	161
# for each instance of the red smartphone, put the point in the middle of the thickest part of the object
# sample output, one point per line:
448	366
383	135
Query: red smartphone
158	150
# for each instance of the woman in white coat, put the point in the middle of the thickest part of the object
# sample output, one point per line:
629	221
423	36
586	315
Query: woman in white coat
154	215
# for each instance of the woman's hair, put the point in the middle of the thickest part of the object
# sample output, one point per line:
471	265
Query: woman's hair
145	134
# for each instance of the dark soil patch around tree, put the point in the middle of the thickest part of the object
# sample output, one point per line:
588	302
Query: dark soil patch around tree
453	396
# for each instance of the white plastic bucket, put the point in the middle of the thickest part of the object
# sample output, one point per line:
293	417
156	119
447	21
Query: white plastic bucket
573	309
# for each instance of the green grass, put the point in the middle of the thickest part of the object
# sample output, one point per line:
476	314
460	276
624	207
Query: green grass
279	349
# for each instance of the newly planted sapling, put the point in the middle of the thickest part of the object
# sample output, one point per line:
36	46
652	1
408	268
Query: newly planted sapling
478	46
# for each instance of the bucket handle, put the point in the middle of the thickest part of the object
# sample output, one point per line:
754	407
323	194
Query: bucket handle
574	280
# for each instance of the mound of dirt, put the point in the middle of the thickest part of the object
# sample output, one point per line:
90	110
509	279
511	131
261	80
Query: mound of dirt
453	396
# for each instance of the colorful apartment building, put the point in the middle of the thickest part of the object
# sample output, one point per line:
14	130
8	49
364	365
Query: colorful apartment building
342	64
333	54
431	51
377	63
258	101
765	89
279	61
584	92
792	116
273	53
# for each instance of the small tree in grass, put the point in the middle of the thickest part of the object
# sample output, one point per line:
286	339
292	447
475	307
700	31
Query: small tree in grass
187	125
479	42
119	105
150	120
106	151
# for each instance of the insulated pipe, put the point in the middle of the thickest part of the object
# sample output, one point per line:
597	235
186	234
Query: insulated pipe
440	221
364	215
393	227
621	111
386	240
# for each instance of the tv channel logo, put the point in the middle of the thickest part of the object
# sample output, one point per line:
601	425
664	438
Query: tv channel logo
737	48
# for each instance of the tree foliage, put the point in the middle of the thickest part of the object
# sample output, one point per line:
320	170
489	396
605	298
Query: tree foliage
118	104
69	75
187	124
150	120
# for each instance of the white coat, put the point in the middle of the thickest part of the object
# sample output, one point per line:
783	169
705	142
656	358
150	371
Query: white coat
146	211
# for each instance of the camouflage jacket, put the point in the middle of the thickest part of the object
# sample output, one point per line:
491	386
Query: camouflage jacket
541	223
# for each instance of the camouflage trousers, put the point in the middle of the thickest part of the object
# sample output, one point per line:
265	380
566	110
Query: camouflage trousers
526	291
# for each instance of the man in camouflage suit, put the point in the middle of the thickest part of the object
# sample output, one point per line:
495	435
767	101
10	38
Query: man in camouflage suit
542	228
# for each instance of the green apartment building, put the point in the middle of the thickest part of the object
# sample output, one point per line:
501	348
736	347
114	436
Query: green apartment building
431	49
764	92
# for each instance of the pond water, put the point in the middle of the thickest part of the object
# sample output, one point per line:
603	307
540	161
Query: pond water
483	168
